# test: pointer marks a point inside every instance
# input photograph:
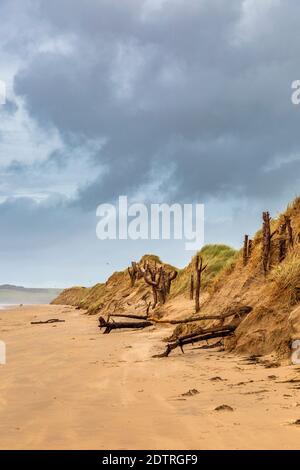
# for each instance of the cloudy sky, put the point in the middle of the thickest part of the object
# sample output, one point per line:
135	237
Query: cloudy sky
160	100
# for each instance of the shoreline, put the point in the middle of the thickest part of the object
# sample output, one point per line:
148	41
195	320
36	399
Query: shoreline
67	386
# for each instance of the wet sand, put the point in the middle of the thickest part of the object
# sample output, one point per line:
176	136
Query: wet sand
67	386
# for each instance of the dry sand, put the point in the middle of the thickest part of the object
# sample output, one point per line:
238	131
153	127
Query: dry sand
66	386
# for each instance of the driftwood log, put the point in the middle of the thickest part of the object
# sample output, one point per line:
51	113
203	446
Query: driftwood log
112	325
238	311
52	320
205	336
202	334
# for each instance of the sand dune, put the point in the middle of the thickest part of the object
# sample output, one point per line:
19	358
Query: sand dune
66	386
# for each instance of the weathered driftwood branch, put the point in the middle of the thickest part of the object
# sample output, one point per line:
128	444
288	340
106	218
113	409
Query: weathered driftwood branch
205	336
240	311
152	278
52	320
266	241
128	315
199	270
112	325
202	334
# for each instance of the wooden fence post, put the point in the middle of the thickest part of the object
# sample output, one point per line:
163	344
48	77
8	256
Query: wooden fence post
192	287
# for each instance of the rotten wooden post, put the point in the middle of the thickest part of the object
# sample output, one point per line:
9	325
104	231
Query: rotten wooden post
199	270
289	231
266	241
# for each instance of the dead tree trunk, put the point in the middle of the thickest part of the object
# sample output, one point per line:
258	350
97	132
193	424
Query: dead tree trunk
239	311
266	241
199	270
152	278
169	278
52	320
192	287
160	280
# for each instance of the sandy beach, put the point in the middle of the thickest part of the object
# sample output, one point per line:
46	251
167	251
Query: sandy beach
67	386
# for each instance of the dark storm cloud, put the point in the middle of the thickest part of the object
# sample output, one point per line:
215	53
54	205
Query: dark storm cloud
195	88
